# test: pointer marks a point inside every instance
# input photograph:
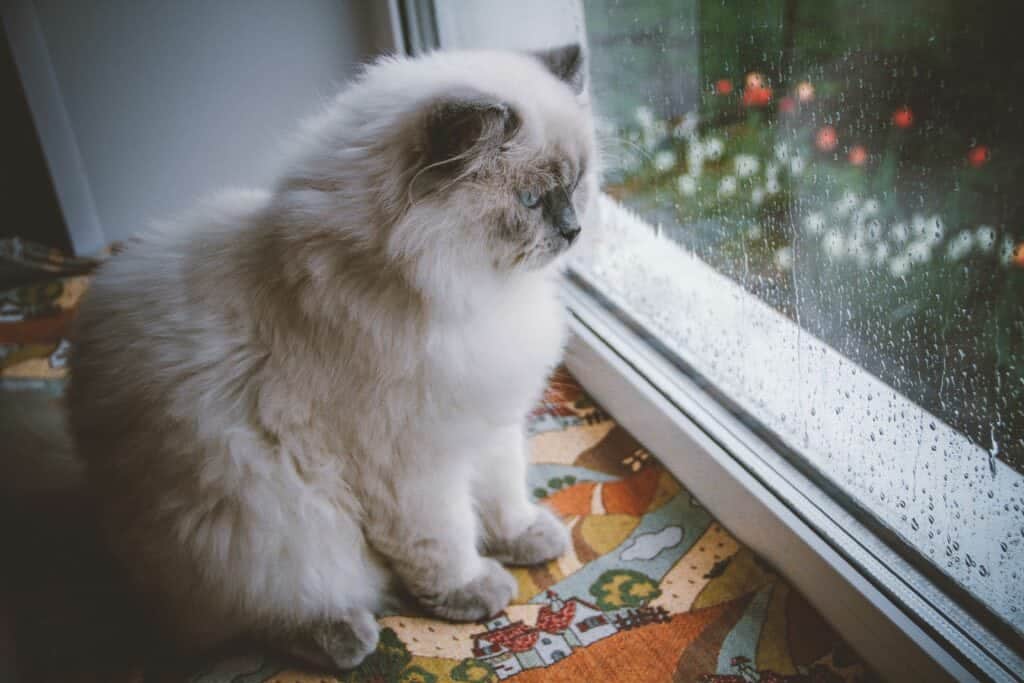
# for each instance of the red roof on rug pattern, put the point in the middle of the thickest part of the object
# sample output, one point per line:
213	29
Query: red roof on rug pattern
517	637
556	409
556	622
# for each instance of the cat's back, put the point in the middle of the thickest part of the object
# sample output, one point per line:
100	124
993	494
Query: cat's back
154	321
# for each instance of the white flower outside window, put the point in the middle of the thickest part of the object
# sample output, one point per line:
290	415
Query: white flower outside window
727	187
745	165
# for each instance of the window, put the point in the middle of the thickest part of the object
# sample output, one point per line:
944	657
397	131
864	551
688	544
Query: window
827	236
851	165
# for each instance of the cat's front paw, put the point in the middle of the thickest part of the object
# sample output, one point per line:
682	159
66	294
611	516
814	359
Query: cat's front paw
488	593
544	540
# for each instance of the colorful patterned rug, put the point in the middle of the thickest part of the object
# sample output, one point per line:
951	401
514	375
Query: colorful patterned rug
653	588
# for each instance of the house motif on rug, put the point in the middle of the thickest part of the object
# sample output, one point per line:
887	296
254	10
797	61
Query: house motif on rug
562	626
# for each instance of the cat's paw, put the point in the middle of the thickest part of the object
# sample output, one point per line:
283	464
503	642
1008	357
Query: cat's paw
334	644
488	593
544	540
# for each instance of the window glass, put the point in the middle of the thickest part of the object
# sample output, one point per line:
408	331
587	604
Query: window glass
855	166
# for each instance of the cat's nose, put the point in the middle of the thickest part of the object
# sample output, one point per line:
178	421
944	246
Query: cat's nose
568	226
570	233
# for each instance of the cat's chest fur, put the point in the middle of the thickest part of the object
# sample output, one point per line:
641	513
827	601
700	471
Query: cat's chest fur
498	359
465	374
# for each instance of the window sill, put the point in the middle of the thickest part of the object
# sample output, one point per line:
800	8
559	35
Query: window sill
898	619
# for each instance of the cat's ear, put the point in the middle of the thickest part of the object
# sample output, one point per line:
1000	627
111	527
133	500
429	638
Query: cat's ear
455	133
565	62
464	125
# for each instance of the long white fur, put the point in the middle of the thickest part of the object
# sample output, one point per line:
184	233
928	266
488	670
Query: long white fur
289	402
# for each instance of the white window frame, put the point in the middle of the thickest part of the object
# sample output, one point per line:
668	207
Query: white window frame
658	405
711	308
904	625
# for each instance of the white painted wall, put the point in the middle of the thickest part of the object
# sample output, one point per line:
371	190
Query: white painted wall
168	101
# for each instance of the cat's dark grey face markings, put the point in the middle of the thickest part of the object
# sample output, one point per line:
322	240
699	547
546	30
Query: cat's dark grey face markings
560	214
556	204
546	221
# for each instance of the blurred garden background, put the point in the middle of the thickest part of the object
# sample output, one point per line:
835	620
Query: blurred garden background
854	163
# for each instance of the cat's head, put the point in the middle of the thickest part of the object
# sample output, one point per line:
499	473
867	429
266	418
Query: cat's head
456	162
510	163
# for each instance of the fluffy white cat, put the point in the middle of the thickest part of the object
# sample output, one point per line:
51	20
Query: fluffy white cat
295	404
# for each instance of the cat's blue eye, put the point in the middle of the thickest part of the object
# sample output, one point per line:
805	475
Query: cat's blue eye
529	198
